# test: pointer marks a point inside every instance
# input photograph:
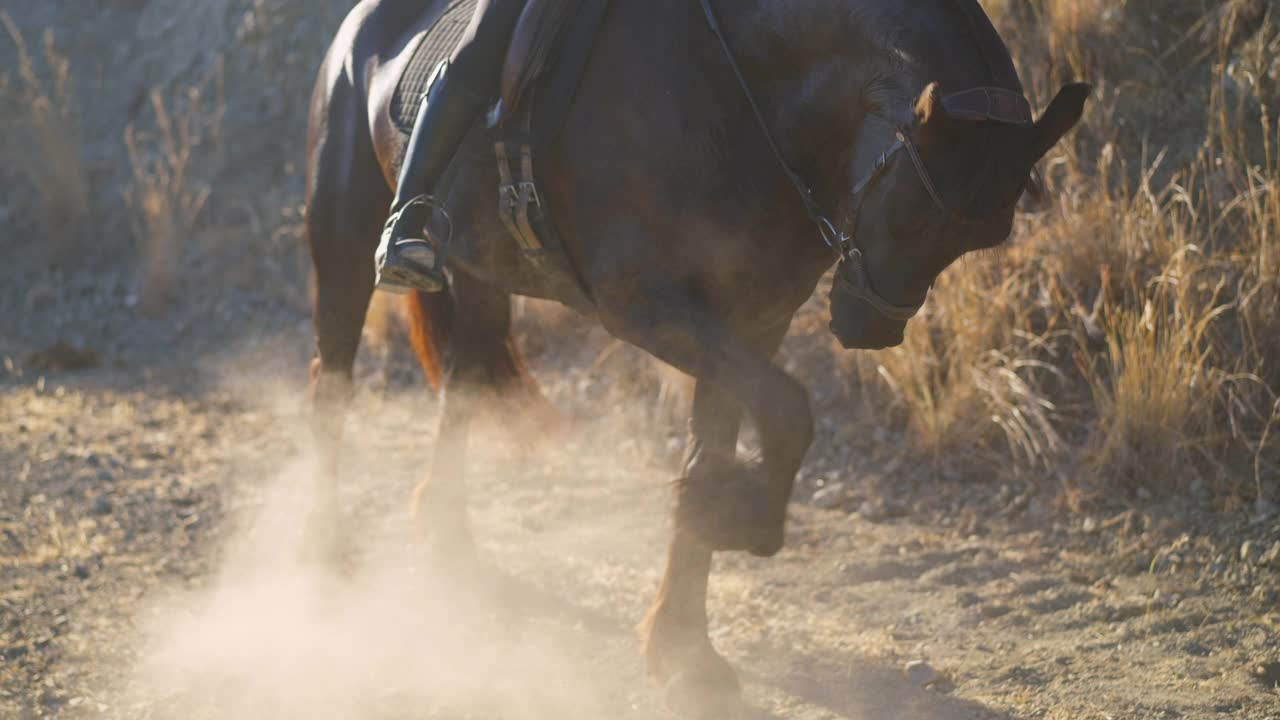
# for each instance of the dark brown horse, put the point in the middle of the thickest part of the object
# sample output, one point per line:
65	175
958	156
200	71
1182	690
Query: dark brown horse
689	234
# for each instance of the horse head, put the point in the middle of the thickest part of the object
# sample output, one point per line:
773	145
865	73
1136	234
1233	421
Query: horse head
948	186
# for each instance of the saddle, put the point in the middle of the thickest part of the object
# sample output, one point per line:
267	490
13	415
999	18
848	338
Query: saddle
544	64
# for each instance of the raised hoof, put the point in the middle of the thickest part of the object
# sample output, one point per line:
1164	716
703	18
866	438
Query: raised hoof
707	692
730	506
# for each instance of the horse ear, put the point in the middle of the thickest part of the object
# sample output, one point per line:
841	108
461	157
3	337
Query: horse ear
929	104
1062	115
930	116
929	111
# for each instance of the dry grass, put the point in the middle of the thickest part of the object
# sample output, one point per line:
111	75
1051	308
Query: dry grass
1130	336
168	194
42	137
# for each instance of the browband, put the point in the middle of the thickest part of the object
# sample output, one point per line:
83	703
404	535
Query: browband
989	103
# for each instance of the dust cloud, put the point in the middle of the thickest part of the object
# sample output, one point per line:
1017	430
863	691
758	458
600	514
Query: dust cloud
279	632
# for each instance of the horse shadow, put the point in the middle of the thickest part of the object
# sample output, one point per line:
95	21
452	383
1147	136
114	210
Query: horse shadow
863	689
779	682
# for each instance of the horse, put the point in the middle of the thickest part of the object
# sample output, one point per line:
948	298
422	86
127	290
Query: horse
714	166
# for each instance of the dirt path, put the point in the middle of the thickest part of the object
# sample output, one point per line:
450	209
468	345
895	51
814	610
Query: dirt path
150	567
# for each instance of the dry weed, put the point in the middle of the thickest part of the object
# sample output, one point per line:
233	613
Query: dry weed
44	138
1131	332
166	196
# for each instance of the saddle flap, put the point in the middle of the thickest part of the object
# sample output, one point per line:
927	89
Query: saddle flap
541	27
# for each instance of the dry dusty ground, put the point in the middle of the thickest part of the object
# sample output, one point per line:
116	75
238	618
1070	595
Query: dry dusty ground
150	515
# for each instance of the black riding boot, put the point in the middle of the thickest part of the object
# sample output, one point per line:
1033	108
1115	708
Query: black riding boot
409	257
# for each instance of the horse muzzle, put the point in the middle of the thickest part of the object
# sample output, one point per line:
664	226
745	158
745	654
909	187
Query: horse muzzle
860	318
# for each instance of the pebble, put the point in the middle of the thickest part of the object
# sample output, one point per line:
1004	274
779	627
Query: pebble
1248	551
1196	649
921	674
879	511
830	497
103	505
1199	490
82	571
1090	525
992	612
1267	673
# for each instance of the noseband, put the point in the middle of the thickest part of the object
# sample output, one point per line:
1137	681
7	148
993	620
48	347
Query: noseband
973	105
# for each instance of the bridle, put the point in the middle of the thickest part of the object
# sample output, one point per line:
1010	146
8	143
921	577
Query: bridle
973	105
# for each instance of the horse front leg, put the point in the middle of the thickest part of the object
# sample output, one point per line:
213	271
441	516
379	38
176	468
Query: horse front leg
742	505
721	503
696	680
731	504
727	504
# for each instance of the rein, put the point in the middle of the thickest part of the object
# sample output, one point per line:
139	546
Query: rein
973	105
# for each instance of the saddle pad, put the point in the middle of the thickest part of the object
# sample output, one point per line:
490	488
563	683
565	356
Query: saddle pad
435	47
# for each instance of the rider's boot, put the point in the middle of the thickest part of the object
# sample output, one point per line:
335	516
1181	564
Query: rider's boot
409	256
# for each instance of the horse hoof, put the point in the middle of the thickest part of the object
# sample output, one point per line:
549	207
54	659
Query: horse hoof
707	693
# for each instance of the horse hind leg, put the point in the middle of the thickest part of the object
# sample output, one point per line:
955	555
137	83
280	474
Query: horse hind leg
468	354
346	202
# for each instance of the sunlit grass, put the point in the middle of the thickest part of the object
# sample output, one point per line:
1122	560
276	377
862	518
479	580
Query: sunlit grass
1130	335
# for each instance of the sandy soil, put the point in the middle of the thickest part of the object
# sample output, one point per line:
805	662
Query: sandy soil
151	565
155	487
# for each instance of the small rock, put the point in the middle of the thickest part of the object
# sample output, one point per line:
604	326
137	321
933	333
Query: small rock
13	652
879	510
1199	490
1248	551
830	497
82	571
39	296
992	612
1196	649
103	505
1090	525
922	675
1267	673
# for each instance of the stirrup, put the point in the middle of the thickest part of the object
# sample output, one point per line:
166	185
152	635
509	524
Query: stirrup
407	262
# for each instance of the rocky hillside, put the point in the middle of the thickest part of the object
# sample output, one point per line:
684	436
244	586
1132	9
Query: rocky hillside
252	61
